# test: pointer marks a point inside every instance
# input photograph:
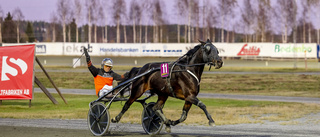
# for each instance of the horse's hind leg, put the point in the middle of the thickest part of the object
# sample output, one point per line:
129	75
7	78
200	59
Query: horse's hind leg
124	109
126	106
157	109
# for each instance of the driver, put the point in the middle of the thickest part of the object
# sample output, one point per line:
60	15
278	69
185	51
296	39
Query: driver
104	76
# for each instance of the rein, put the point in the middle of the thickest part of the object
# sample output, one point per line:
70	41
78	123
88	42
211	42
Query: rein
187	55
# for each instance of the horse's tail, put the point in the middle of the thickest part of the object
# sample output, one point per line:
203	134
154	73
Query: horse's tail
132	73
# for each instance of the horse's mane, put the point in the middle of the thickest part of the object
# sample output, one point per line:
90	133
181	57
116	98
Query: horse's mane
187	57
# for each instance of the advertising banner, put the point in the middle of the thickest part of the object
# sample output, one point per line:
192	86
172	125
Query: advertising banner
299	50
17	75
273	50
318	51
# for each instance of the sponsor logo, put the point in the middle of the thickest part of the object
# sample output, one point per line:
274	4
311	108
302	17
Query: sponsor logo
145	50
118	50
41	49
249	50
173	50
291	48
12	69
76	48
167	51
16	72
151	50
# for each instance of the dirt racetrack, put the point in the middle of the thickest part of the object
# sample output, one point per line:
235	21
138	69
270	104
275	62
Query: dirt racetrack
307	126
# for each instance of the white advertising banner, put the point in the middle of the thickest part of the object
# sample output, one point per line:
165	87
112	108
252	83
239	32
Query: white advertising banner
299	50
244	49
274	50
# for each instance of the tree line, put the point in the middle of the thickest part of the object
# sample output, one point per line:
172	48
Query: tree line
145	21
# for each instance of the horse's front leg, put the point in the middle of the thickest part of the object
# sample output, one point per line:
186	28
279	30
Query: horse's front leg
183	117
185	110
198	103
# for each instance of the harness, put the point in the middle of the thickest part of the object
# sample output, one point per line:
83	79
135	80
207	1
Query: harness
168	79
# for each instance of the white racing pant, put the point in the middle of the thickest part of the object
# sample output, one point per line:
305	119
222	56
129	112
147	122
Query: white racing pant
106	89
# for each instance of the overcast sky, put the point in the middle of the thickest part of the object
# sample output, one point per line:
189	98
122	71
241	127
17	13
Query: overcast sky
35	10
42	10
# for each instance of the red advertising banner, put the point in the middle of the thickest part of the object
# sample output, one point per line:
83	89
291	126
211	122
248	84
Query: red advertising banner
16	67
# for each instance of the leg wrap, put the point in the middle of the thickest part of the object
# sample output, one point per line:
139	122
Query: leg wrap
163	118
183	116
201	105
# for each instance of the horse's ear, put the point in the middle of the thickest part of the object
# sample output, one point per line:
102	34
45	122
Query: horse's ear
208	41
202	42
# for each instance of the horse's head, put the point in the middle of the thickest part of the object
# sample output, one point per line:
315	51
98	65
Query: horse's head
211	54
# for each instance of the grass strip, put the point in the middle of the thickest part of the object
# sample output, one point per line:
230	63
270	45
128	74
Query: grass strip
291	84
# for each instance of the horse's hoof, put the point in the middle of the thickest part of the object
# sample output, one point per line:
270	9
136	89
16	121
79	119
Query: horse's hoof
212	124
113	120
168	129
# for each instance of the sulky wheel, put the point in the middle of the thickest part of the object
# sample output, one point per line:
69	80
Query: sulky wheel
98	119
151	123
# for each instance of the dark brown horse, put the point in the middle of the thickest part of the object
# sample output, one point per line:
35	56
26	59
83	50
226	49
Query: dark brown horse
183	82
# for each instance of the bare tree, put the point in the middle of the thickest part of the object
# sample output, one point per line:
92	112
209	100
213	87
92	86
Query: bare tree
78	14
94	13
106	10
147	6
68	21
1	18
191	2
263	18
288	13
119	10
101	18
17	14
89	6
316	20
307	6
135	16
63	11
158	20
53	20
211	19
226	7
124	20
196	20
182	13
248	19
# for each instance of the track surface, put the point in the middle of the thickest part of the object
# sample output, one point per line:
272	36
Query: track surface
307	126
79	128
